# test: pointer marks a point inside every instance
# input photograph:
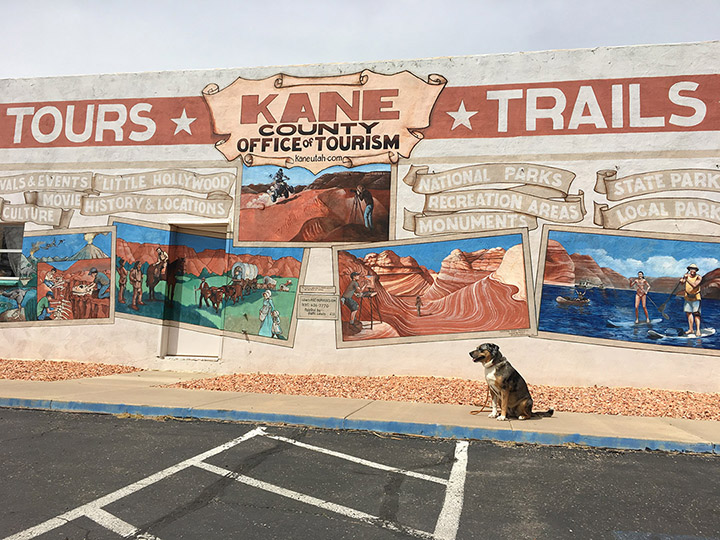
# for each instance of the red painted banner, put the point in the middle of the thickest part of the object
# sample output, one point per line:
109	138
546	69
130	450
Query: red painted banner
109	122
638	105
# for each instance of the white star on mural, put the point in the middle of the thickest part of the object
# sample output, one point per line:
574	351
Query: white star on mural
462	116
183	123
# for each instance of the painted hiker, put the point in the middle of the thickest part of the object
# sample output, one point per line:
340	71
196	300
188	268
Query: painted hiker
353	289
363	195
641	286
691	306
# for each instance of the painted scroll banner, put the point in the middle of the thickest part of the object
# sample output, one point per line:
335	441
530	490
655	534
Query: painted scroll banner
529	174
656	209
164	179
569	210
462	222
55	199
56	181
25	213
216	205
640	208
538	192
618	189
354	119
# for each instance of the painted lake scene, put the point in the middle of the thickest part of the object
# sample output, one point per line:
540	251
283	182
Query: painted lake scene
631	289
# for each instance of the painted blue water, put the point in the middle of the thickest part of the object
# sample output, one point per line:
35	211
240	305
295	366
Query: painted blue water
618	305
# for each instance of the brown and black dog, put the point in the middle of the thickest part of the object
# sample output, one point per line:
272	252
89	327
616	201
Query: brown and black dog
508	389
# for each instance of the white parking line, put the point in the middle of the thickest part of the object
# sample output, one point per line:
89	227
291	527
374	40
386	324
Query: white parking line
325	505
449	520
117	525
358	460
446	527
89	508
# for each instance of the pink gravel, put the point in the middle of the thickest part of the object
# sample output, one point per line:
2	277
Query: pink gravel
596	399
48	370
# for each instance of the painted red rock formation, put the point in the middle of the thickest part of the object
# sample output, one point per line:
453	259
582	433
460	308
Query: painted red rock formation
399	275
587	271
214	260
460	269
314	215
559	267
614	279
481	305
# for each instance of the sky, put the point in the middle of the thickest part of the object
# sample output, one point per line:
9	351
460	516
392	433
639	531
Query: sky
49	37
629	255
65	245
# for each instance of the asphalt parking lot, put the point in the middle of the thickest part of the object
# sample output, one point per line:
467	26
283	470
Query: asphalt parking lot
68	476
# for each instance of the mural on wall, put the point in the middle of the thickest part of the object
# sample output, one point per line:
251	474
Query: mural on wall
200	280
642	290
50	198
64	276
433	191
261	297
413	291
490	196
295	205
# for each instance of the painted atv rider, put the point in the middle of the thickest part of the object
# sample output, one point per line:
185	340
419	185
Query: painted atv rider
280	187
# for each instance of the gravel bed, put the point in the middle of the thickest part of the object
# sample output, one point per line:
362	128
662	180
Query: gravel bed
50	370
596	399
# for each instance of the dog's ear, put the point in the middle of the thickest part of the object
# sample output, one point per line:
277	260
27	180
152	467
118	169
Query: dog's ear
494	349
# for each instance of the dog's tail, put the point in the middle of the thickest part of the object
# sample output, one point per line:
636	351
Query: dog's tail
546	414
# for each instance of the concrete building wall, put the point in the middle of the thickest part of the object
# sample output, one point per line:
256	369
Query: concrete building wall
514	200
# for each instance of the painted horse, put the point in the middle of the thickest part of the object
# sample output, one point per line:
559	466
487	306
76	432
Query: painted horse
155	275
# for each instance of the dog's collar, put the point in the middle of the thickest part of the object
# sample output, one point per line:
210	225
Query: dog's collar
495	364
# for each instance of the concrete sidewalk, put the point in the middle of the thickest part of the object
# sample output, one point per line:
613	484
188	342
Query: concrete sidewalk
138	393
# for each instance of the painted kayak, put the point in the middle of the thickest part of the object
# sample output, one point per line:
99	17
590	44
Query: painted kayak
572	301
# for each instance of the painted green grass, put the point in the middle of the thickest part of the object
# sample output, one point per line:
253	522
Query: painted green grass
241	317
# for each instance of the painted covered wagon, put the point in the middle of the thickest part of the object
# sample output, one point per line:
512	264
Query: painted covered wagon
244	281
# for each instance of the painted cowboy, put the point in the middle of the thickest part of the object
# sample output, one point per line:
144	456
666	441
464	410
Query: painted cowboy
122	280
162	260
136	277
